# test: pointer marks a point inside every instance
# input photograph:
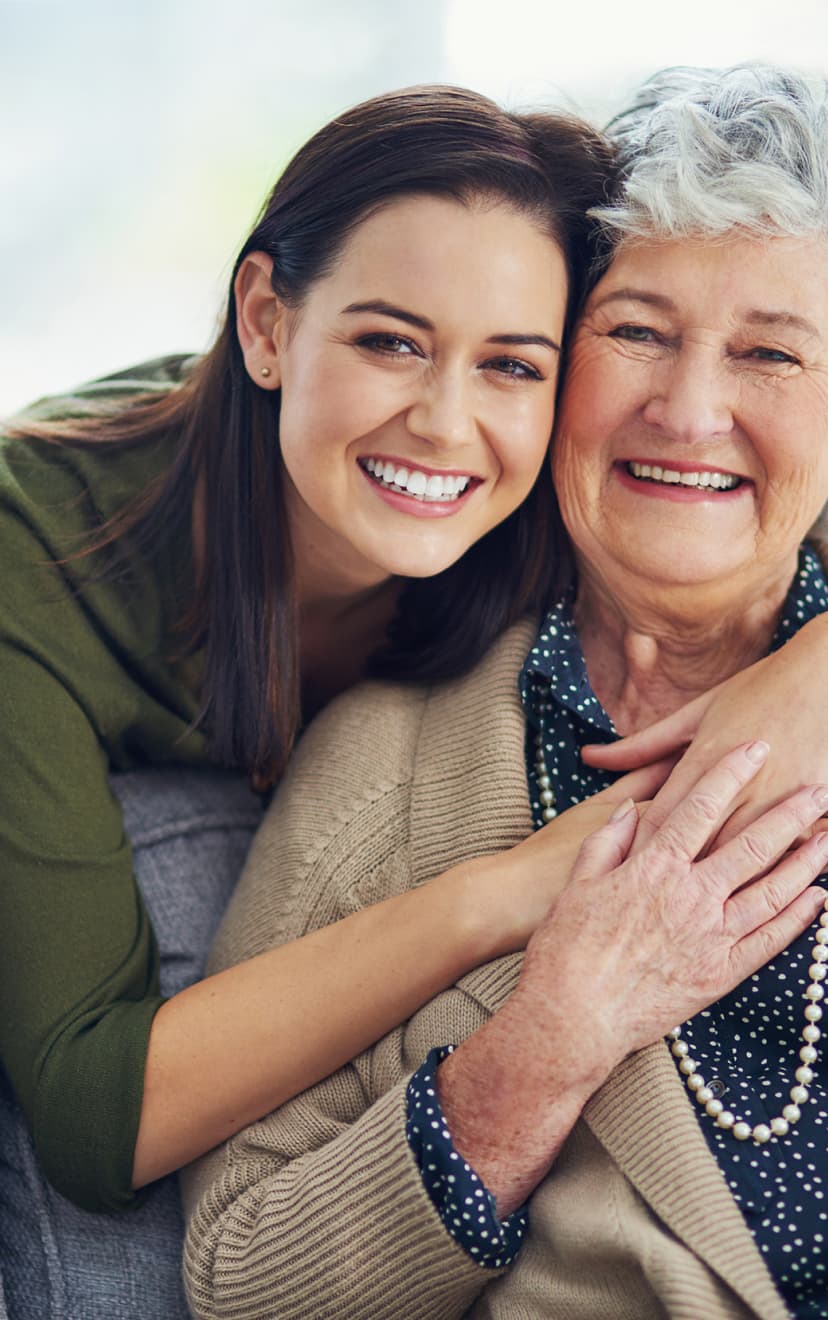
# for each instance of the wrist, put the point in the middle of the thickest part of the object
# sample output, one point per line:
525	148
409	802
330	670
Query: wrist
483	909
509	1102
563	1048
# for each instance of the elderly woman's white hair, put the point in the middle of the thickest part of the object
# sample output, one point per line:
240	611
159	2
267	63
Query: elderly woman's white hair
706	151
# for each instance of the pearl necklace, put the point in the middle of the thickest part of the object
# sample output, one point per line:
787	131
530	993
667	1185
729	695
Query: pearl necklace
547	797
804	1074
696	1085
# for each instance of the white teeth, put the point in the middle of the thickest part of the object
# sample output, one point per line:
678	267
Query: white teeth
671	477
423	486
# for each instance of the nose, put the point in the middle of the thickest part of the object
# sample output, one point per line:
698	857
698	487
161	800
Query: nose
442	413
692	396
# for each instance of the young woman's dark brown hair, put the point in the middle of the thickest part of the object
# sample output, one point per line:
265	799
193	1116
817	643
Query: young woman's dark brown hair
352	480
441	142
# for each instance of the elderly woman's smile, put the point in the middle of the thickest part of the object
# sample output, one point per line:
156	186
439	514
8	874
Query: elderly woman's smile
693	439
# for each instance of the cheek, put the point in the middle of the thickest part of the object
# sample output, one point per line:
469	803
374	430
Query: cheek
521	435
604	388
797	486
567	478
329	408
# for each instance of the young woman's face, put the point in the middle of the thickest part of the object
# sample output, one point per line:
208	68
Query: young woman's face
418	386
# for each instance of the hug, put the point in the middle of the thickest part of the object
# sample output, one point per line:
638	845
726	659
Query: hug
405	1116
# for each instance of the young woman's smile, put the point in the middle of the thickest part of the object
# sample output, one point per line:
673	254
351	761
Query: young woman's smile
422	492
418	385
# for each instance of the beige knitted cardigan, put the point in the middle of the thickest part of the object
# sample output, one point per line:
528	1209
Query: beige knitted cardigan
318	1210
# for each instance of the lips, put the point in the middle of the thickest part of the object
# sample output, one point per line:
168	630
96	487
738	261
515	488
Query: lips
430	487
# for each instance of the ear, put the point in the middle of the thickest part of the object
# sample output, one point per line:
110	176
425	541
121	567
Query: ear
259	313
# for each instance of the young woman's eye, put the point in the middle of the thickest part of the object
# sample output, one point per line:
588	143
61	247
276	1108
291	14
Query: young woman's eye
390	345
635	334
515	368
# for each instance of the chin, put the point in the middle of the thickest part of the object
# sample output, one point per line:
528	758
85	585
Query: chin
420	568
421	562
687	561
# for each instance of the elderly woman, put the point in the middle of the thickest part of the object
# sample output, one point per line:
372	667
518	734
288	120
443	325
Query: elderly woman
669	1170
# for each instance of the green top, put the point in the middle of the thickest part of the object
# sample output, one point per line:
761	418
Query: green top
84	687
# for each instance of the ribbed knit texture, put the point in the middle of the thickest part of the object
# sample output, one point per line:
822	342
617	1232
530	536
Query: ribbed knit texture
319	1210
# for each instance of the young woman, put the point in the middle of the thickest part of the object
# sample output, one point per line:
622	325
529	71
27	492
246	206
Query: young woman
196	556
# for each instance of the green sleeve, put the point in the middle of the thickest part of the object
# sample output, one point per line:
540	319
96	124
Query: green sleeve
82	689
78	963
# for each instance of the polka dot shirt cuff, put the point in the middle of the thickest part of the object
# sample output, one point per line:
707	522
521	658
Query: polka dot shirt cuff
465	1206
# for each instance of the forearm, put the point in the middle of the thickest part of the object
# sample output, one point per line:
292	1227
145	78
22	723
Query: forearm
511	1094
237	1045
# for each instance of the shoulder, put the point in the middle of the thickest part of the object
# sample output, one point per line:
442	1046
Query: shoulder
62	491
378	797
377	735
366	736
158	376
338	818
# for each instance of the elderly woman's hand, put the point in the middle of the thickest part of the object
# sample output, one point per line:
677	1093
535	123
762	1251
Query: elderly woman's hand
766	701
635	944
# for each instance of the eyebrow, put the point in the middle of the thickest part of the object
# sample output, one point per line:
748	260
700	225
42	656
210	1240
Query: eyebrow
636	295
755	316
760	317
383	308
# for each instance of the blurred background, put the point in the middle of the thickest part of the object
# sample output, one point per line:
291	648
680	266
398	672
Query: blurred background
141	136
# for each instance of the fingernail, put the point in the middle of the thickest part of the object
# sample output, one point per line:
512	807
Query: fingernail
757	751
820	796
821	843
623	809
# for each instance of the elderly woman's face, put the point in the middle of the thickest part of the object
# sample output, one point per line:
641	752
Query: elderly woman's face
693	436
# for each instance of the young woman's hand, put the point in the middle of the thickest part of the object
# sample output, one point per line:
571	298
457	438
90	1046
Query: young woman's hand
781	699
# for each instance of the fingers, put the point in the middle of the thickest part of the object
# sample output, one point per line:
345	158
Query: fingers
664	738
769	940
761	902
762	842
697	818
688	770
643	784
607	847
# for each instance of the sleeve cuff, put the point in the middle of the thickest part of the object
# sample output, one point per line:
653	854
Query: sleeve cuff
465	1206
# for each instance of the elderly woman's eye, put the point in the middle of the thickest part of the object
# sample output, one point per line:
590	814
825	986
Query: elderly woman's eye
774	355
636	334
